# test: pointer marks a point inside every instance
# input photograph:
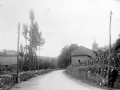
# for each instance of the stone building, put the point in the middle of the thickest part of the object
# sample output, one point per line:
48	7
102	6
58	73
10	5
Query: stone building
83	54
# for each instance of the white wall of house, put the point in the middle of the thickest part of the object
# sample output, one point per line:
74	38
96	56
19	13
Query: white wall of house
75	59
8	60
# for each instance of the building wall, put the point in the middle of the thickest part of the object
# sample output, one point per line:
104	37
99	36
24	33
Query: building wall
11	53
8	60
75	59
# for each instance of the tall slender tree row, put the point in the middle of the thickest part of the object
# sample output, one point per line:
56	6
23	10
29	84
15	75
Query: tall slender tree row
35	39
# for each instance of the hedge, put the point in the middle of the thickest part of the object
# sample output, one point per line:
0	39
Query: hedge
85	73
90	74
9	80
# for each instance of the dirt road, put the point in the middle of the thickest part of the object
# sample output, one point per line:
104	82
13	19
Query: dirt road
55	80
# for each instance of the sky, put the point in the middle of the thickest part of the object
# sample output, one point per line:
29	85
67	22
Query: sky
62	22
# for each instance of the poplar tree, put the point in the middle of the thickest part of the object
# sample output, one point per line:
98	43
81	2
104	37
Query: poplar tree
25	33
35	39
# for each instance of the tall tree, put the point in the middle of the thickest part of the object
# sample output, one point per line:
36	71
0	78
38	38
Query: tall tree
35	39
25	33
117	45
64	57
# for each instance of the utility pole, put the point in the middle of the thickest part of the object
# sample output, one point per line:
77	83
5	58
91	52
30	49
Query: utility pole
39	59
18	53
109	44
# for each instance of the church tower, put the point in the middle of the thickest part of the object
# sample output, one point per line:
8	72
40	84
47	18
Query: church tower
95	46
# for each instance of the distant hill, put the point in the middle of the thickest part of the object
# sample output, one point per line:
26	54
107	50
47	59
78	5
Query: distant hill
10	59
8	52
47	58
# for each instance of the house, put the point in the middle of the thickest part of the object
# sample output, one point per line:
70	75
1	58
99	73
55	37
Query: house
8	61
8	52
11	52
82	54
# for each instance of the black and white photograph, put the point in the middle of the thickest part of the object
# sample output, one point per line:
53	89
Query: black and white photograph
59	44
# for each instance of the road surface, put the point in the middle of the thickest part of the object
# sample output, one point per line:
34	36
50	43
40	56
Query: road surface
55	80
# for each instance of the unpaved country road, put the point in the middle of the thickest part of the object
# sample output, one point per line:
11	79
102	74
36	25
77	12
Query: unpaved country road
55	80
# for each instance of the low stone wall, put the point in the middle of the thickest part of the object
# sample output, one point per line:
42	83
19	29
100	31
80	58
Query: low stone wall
9	80
85	73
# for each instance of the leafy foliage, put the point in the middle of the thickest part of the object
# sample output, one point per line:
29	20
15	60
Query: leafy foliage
117	45
64	57
96	66
7	81
34	36
25	31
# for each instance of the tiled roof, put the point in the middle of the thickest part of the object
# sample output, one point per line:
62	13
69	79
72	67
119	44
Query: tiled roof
83	51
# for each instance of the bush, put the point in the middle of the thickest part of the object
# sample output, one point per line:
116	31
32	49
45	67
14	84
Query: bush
85	73
5	80
117	83
14	77
8	80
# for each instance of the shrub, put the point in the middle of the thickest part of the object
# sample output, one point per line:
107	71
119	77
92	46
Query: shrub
84	73
117	83
27	75
8	80
5	80
14	77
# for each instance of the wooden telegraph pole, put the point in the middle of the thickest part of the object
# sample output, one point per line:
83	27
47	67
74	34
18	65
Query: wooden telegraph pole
18	53
39	59
109	45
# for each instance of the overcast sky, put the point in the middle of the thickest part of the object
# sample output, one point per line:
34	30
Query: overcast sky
62	22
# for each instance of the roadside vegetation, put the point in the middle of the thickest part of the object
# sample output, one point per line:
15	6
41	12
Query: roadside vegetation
30	65
95	71
64	59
